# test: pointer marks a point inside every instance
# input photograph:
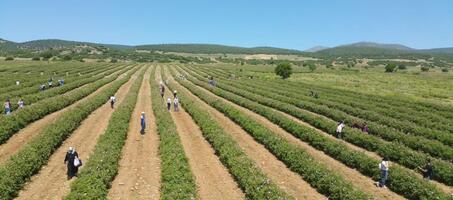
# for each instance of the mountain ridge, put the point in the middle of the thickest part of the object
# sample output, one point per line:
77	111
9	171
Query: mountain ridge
358	48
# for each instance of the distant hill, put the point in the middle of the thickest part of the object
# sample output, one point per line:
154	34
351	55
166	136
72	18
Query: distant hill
214	48
437	51
41	45
378	45
367	48
355	49
316	49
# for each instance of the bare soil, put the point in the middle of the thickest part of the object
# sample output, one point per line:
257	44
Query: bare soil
23	136
276	170
51	182
139	168
212	178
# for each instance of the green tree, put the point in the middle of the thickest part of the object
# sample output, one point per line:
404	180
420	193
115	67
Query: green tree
390	68
402	66
424	68
47	55
445	69
284	70
67	57
36	58
312	67
9	58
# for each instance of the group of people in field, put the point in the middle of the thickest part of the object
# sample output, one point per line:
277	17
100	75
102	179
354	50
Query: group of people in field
60	82
384	165
175	100
7	106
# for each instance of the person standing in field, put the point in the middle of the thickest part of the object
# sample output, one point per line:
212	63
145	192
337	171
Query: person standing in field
162	89
112	101
365	128
340	129
72	162
384	168
428	171
174	94
168	103
50	83
7	107
20	103
176	104
142	123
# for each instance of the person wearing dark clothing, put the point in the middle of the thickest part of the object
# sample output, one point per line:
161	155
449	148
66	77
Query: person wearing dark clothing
142	123
168	103
69	160
428	171
365	128
162	91
174	94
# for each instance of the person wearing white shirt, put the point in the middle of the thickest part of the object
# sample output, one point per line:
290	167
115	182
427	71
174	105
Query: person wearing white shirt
112	101
384	168
176	104
340	129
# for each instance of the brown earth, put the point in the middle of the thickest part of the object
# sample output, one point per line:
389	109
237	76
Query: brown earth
51	182
139	168
23	136
212	178
277	171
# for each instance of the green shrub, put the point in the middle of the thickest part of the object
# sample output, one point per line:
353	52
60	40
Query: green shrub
9	58
424	68
36	58
95	178
445	69
389	68
283	70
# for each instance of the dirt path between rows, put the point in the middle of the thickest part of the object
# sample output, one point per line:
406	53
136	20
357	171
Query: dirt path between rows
445	188
139	168
26	134
51	182
212	178
276	170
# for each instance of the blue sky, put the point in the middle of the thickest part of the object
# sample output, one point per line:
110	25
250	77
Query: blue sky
289	24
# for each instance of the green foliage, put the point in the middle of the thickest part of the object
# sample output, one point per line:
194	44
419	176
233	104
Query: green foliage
113	60
372	143
9	58
295	157
47	54
283	70
445	69
402	66
36	58
312	67
94	180
67	57
29	160
402	180
252	180
177	181
424	68
389	68
19	119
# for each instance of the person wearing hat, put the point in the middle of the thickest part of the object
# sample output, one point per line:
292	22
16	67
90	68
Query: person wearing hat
142	123
73	162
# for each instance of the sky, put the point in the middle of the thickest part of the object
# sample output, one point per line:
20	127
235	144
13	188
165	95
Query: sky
295	24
